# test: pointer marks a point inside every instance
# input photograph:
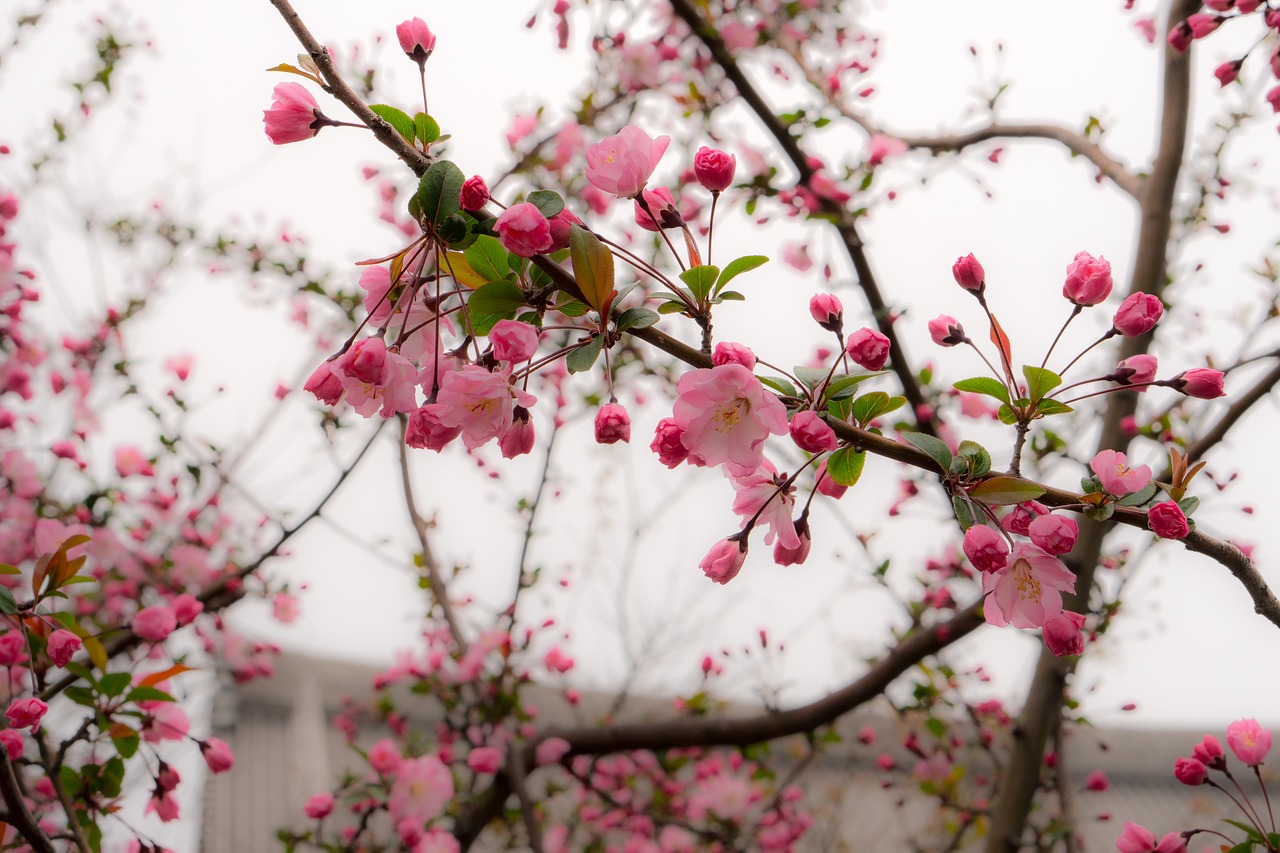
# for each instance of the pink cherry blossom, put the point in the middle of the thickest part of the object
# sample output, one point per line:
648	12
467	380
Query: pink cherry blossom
519	437
1088	280
475	194
294	114
1167	521
1190	771
416	39
62	646
1137	370
1117	478
513	341
154	623
725	415
375	281
826	311
728	352
1202	382
384	757
1209	752
882	147
475	400
324	385
1249	741
622	164
662	211
551	750
1029	591
375	379
524	231
1097	781
1056	534
812	434
485	759
714	168
421	789
868	348
26	713
561	226
826	485
217	755
613	424
426	430
1062	634
557	661
1138	314
130	462
668	444
968	273
762	496
946	331
986	549
784	556
318	806
724	560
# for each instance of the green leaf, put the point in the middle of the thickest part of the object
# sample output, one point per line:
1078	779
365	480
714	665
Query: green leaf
811	377
845	466
497	300
844	386
1135	498
1004	491
1189	505
737	267
1040	381
936	448
984	385
636	318
397	119
700	280
80	695
426	128
127	745
113	684
729	296
8	604
1006	414
488	258
780	385
570	307
546	201
584	357
112	776
978	458
671	308
148	694
1052	407
6	569
592	268
961	508
875	404
440	192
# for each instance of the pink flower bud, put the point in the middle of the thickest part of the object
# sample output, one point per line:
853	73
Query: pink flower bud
1136	839
969	274
1189	771
727	352
1247	7
1209	753
294	115
1202	382
154	623
324	385
1062	633
1088	280
826	485
1097	781
812	434
416	39
319	806
946	331
12	743
1054	533
1202	25
475	194
667	444
725	559
557	661
513	341
784	556
485	759
868	348
519	437
62	646
561	228
1138	314
524	231
1249	740
425	429
1136	370
1227	72
551	750
662	212
714	169
1167	521
986	549
1180	37
26	713
1020	517
217	755
1273	98
827	312
613	424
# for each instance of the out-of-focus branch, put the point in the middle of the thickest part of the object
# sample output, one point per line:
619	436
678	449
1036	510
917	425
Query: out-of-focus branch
385	133
20	817
841	218
1045	696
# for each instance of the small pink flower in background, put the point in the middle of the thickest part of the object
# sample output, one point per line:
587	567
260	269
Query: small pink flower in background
728	352
285	608
524	231
294	115
1139	839
416	39
868	348
1062	634
1273	98
725	416
513	341
613	424
485	759
1227	72
882	147
714	168
384	757
1249	740
26	713
1117	478
561	228
811	433
1028	592
557	661
986	549
667	443
154	623
318	806
326	387
1054	533
1202	24
622	164
475	194
180	365
130	462
1202	383
1136	370
12	743
1146	27
1167	521
968	273
1097	781
826	311
946	331
796	256
1190	771
422	788
1088	280
1138	314
217	755
551	750
521	126
723	562
62	646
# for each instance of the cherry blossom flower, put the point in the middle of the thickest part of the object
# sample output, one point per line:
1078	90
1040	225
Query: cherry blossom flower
882	147
613	424
761	495
1088	280
1249	740
294	115
969	274
714	168
622	164
26	713
723	562
475	194
1117	478
318	806
1167	521
421	789
868	348
986	549
1062	634
811	433
1138	314
725	415
1028	592
375	379
416	39
1202	382
524	231
475	400
217	755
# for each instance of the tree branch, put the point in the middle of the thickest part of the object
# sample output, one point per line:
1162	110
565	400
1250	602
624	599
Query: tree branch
19	816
